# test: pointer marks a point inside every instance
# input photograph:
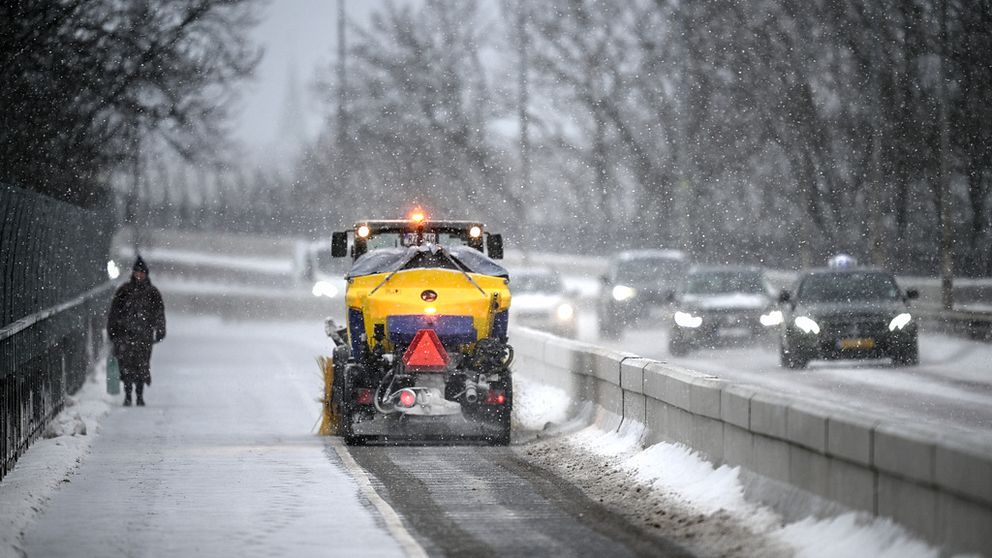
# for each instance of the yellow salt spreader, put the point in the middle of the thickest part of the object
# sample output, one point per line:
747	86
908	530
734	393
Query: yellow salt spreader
424	354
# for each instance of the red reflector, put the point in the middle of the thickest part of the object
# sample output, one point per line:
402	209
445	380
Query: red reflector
495	397
426	353
407	398
363	396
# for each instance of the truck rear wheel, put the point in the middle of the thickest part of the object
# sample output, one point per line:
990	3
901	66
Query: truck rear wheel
347	430
502	417
347	406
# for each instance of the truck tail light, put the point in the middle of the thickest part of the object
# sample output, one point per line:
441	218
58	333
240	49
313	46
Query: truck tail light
363	396
495	397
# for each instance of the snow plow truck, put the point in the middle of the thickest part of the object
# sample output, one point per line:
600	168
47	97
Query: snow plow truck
424	354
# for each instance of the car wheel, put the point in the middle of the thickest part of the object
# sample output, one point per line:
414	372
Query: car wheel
608	327
792	359
908	355
677	346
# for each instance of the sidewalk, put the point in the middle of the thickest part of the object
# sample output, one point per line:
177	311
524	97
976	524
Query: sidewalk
221	462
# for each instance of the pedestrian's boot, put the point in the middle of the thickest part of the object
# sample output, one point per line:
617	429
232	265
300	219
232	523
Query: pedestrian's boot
140	401
127	400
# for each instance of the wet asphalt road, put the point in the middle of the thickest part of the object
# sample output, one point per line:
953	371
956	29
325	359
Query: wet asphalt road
485	501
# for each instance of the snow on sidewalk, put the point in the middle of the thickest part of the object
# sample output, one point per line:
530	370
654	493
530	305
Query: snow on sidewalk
51	461
221	462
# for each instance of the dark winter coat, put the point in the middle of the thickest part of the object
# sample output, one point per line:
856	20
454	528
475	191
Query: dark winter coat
136	320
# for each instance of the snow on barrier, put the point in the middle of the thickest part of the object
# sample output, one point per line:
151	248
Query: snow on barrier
799	456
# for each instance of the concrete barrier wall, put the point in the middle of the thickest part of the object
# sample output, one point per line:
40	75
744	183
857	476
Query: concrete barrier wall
823	458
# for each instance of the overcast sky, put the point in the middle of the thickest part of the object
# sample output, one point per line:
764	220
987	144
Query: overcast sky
298	36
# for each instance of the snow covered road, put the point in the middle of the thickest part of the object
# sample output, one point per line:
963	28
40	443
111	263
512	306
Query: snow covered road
951	388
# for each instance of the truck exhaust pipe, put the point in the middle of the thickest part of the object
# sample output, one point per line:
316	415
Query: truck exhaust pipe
471	393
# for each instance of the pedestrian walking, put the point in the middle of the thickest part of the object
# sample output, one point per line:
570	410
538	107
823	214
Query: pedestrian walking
136	321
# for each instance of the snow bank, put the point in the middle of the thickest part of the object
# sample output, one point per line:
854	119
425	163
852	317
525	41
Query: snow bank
51	461
677	469
851	535
537	405
685	480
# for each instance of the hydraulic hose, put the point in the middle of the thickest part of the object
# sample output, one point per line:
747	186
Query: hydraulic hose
379	395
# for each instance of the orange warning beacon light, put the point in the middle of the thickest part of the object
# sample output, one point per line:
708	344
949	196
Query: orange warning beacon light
425	353
417	216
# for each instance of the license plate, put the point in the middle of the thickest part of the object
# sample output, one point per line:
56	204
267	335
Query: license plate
410	239
658	313
734	332
859	343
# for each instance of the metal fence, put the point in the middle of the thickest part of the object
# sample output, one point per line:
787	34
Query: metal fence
53	297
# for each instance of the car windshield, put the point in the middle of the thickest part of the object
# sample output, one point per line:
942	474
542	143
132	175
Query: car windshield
848	287
724	282
649	270
388	260
400	240
535	283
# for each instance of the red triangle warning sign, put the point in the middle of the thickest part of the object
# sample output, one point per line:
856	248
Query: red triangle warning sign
425	353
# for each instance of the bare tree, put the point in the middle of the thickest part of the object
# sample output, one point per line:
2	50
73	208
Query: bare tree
86	81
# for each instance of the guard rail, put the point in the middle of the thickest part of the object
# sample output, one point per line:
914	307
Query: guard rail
799	456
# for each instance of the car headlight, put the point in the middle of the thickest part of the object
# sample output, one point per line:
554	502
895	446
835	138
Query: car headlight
324	288
113	270
807	325
899	321
772	318
565	312
623	292
685	319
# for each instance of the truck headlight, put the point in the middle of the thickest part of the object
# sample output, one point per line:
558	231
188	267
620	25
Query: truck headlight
900	321
623	292
324	288
807	325
685	319
772	318
565	312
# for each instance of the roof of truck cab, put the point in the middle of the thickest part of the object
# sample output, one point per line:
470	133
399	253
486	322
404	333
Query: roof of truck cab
377	224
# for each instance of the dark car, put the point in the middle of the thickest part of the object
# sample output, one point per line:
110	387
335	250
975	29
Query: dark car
848	314
721	304
637	282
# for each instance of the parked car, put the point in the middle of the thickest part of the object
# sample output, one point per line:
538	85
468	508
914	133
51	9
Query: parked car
717	304
541	301
848	314
637	283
